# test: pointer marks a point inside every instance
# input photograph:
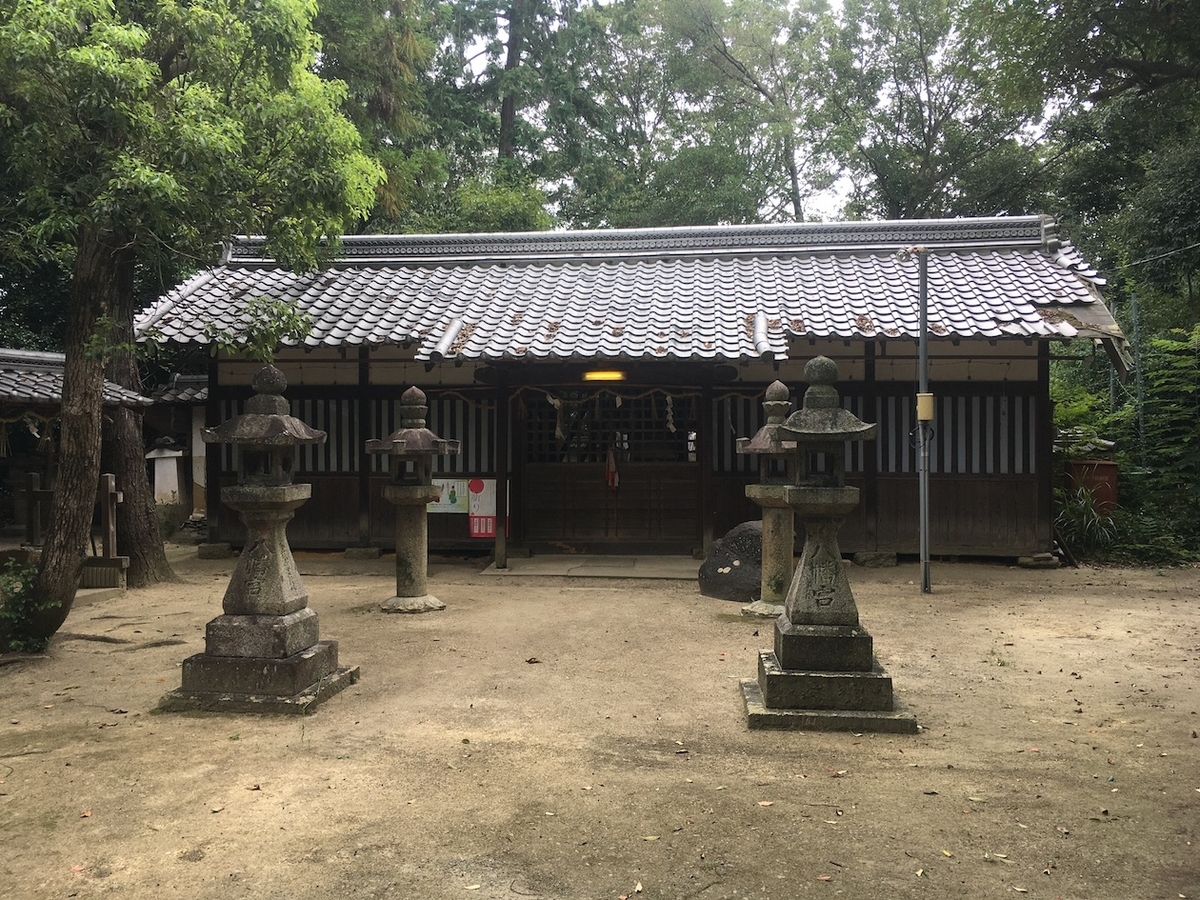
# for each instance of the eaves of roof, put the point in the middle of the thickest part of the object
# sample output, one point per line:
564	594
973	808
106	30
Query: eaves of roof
696	293
34	379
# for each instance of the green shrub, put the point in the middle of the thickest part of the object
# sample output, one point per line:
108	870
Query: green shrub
1087	531
20	610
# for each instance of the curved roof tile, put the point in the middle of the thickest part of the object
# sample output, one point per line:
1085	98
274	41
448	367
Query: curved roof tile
661	293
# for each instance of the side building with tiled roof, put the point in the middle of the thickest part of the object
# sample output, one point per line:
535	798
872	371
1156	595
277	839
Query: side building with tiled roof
567	361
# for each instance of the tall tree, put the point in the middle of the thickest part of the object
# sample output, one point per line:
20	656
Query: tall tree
381	50
148	128
928	122
624	143
753	65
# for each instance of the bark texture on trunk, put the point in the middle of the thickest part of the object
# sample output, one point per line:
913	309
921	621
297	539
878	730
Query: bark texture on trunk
508	103
138	534
93	283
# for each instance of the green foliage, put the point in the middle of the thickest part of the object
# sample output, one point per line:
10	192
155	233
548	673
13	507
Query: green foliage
930	124
266	323
20	608
1157	449
173	126
1088	532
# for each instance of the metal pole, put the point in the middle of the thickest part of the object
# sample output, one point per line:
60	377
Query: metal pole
922	423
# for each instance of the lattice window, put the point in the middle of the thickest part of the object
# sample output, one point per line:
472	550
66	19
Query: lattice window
580	426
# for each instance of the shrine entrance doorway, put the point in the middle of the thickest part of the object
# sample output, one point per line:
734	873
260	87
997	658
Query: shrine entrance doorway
602	468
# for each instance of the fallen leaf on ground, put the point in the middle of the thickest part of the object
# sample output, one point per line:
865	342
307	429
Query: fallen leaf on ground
78	868
766	802
86	814
824	878
532	660
650	837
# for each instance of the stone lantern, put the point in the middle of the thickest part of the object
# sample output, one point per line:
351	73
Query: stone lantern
411	449
822	674
263	654
777	463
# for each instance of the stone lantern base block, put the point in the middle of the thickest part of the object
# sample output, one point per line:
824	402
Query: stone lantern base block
426	603
791	689
763	610
824	648
897	720
270	637
260	675
302	703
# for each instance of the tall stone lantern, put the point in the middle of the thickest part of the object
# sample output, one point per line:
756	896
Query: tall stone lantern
778	461
264	653
411	449
822	674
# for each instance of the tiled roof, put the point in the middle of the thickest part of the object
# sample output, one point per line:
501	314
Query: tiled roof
183	389
686	293
31	378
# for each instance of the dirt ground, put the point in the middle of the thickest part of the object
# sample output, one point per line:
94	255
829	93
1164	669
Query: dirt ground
585	738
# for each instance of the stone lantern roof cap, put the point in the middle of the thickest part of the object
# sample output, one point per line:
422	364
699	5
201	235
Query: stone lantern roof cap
822	419
412	439
266	421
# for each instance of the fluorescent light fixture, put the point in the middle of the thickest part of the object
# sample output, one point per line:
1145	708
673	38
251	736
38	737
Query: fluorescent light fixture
604	375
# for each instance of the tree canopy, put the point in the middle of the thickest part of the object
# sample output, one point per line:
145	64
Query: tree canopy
151	130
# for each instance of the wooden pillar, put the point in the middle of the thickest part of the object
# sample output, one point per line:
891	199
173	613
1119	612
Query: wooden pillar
870	453
705	436
108	499
503	412
1044	452
363	401
212	459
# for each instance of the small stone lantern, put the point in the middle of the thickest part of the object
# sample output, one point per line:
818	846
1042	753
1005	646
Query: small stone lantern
263	654
822	674
777	463
411	449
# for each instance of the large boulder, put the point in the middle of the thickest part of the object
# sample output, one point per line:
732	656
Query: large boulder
732	568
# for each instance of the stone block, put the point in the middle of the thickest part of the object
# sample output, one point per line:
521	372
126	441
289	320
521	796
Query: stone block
875	559
898	720
824	648
1038	561
791	689
303	703
257	675
268	637
732	569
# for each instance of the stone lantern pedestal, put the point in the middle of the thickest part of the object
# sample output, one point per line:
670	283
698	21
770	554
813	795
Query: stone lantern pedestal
776	463
264	653
822	674
410	450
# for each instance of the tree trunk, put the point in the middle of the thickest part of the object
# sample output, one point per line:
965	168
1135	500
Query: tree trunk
508	102
93	284
138	533
789	151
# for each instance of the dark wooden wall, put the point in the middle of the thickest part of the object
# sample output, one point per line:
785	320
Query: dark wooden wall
681	481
